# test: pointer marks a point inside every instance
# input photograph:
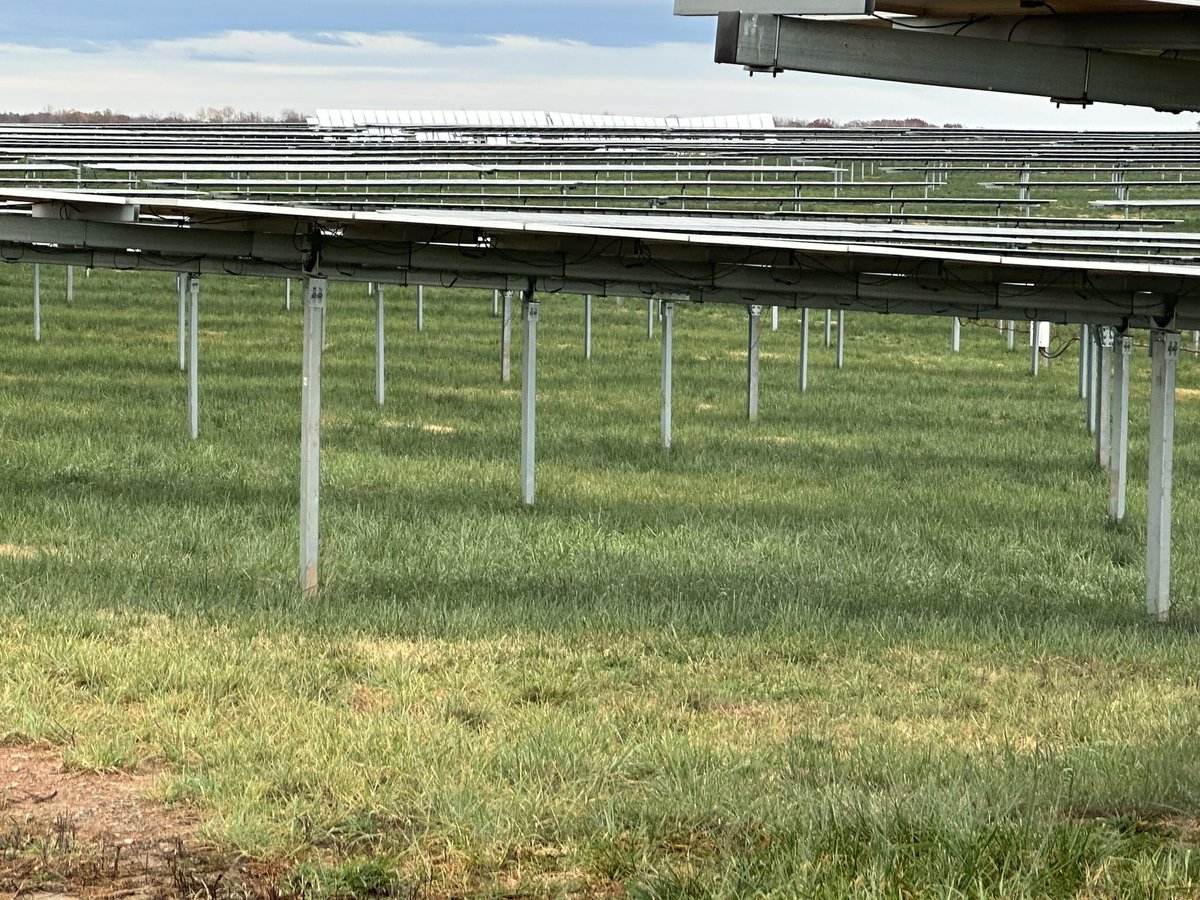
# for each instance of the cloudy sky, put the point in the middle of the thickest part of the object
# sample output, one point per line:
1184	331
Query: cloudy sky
619	56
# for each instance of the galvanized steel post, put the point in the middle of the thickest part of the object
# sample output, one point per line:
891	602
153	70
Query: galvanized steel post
181	282
1164	353
315	294
804	322
379	346
668	329
754	334
529	317
1105	339
420	307
37	303
841	338
506	338
587	326
1119	451
194	358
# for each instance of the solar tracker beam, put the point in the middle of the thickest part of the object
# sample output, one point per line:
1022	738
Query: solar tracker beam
1164	353
668	330
1119	461
754	337
314	299
529	319
771	43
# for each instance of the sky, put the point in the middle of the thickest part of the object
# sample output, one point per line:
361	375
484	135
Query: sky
629	57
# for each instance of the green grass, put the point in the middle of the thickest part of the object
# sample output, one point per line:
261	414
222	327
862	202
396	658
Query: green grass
880	644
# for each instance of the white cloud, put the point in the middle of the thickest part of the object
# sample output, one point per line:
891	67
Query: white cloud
269	71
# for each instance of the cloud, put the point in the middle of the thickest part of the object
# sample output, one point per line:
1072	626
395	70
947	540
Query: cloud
268	71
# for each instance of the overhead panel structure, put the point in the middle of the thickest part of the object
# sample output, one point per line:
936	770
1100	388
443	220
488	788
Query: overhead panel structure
1135	52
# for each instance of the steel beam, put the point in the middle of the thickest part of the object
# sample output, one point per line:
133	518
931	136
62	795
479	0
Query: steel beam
37	303
829	328
668	329
379	345
754	338
1164	353
774	43
194	358
841	338
1084	350
1035	350
955	334
650	318
315	291
587	326
529	318
420	307
506	309
1118	468
804	317
1105	341
181	282
70	284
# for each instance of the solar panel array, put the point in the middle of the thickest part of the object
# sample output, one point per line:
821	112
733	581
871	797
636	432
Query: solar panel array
946	176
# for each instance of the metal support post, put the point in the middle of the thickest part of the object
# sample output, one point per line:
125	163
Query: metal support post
1119	453
841	338
529	316
752	348
668	328
420	307
1012	332
315	291
287	295
194	358
955	334
650	318
1084	350
37	303
1164	353
70	284
506	337
1035	351
829	328
587	326
181	282
1093	380
1105	339
804	317
495	303
379	347
774	318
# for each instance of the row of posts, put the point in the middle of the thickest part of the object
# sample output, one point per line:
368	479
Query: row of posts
1104	366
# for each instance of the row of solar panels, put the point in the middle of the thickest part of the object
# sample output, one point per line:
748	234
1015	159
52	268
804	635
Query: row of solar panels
359	118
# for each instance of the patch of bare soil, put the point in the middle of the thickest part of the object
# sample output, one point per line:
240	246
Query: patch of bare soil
67	835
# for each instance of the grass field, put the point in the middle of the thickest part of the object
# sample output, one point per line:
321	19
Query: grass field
881	644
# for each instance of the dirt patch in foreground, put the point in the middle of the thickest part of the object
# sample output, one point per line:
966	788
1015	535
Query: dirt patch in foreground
66	835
